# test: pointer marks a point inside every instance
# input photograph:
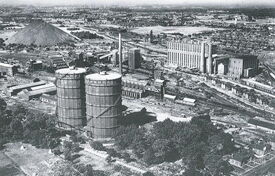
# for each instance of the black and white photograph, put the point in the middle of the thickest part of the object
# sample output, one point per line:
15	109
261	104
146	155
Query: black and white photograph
137	88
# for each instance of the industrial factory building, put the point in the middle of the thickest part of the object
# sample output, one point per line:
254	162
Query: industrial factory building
37	92
57	61
242	66
14	90
236	66
191	55
133	88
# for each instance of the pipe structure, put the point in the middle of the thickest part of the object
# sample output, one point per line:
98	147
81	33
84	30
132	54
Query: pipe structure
120	53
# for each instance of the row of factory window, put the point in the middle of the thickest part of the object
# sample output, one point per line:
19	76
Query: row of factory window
132	94
184	59
133	85
185	47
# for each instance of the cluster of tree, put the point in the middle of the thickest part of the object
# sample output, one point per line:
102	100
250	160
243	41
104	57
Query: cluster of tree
86	35
97	145
87	170
2	43
111	152
199	143
36	128
62	168
70	150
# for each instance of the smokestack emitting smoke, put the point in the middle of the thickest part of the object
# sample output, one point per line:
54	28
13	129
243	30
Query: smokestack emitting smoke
120	53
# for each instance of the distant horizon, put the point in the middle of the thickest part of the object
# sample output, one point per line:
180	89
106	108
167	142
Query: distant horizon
125	3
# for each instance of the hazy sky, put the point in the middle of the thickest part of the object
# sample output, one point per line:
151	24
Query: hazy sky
138	2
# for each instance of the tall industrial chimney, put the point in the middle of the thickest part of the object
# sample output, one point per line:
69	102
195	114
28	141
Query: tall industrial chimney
202	61
210	60
120	53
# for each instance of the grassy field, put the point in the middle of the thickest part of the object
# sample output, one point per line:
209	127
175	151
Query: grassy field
31	160
6	34
8	167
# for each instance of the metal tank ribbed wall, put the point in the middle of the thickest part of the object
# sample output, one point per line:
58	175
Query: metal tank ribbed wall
103	103
71	97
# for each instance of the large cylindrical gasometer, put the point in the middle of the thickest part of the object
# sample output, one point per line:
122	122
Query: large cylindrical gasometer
71	97
103	103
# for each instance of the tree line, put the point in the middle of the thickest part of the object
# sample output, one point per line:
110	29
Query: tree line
199	144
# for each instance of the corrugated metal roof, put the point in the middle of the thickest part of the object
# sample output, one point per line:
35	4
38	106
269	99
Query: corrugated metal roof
6	65
24	86
172	97
189	100
41	91
43	86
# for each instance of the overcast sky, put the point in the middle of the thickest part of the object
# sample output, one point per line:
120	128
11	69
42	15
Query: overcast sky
138	2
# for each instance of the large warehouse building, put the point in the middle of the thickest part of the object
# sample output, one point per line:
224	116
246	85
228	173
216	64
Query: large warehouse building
191	55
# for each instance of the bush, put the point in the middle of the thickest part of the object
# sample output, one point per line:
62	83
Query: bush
89	170
109	159
126	157
117	168
81	168
68	145
68	155
2	143
97	146
76	138
149	156
56	151
113	153
76	148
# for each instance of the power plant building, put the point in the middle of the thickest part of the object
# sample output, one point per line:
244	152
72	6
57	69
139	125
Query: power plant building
191	55
71	97
103	103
